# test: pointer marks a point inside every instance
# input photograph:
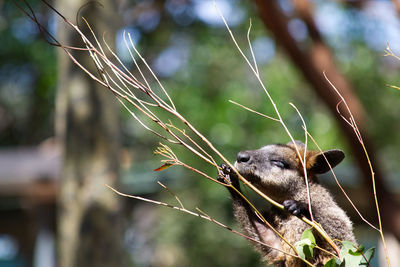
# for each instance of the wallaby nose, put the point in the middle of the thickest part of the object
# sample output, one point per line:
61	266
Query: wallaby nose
243	157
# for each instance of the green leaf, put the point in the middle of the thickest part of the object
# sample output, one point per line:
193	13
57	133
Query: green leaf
307	234
347	246
306	245
352	260
332	263
352	255
304	249
369	254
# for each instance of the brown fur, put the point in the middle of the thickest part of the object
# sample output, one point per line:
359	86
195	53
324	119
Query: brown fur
277	171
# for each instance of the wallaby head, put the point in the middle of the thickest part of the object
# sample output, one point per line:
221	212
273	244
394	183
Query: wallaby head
278	171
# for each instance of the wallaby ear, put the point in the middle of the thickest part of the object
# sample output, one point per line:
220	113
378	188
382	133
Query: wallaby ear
320	165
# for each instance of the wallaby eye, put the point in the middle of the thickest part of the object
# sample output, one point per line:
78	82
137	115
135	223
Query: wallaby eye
280	163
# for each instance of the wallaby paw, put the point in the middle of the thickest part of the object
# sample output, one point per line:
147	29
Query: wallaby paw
296	208
224	174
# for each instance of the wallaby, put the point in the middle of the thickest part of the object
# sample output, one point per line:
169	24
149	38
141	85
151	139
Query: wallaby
277	171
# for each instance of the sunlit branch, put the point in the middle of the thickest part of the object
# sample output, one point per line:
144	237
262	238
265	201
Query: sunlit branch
312	223
201	215
353	124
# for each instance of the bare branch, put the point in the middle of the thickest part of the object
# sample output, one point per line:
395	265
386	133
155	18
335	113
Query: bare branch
201	215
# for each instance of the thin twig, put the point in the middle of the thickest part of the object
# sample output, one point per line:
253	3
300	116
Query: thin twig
340	186
201	215
172	194
358	134
256	112
251	49
102	61
304	160
316	226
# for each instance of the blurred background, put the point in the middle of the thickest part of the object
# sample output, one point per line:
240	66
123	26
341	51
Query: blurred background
62	137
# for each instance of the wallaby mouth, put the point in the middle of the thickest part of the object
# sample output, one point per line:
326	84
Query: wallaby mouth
247	171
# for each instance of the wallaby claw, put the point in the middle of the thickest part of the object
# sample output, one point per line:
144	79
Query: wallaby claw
224	174
296	208
227	176
226	169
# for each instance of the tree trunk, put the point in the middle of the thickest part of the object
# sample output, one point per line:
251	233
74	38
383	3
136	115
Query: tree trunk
89	228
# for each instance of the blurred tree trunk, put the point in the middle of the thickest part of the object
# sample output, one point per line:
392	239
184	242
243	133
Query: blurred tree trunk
89	228
312	61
